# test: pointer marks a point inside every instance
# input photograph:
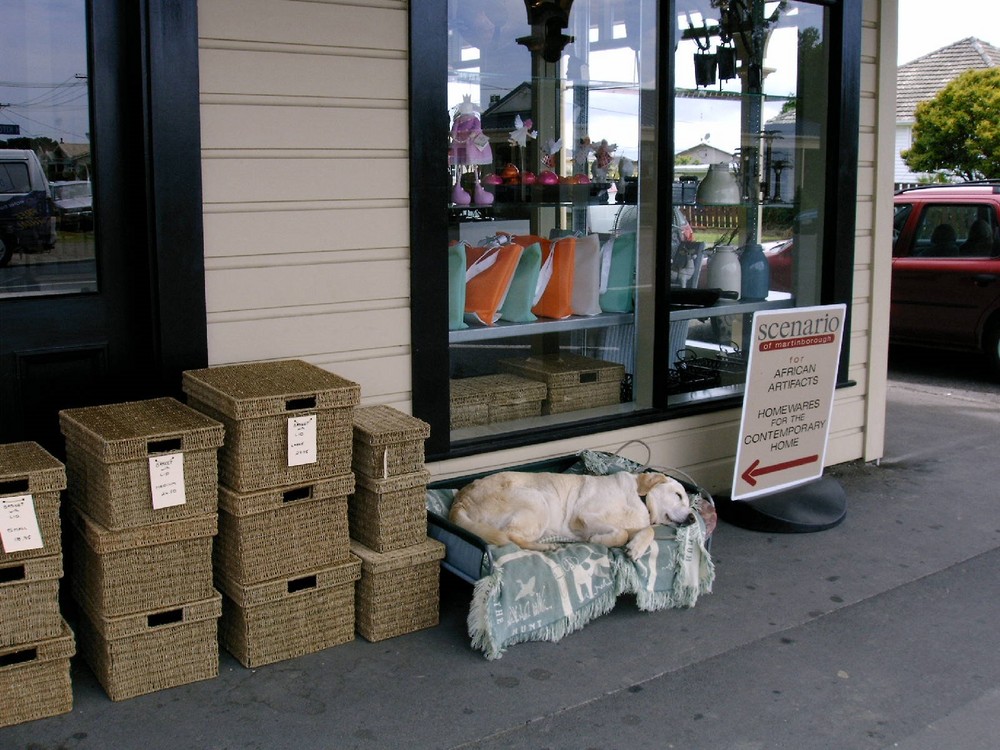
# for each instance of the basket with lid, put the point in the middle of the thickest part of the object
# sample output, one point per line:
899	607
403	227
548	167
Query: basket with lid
30	484
280	619
283	531
286	421
388	442
141	462
399	591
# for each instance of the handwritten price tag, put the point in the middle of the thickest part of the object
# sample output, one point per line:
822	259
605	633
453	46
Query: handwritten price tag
19	525
302	440
166	480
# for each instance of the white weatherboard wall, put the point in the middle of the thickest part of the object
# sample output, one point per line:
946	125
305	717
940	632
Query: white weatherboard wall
304	143
304	137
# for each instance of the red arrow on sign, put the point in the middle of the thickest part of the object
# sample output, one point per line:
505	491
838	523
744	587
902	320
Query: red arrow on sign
752	472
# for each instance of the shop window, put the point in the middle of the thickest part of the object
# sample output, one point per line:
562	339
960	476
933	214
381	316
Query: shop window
578	184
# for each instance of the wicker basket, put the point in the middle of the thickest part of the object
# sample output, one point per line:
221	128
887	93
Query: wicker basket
27	469
261	405
29	600
389	514
35	678
284	618
149	651
399	592
576	397
574	382
111	452
283	532
563	370
506	397
388	442
142	569
469	406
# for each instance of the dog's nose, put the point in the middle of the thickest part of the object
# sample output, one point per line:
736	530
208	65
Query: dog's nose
689	520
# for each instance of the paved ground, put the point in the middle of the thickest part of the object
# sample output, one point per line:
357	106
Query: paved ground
879	633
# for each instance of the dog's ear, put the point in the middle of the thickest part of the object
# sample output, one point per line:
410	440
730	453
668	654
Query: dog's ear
647	480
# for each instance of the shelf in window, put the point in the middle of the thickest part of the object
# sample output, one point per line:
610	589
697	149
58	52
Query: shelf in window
716	94
504	329
774	301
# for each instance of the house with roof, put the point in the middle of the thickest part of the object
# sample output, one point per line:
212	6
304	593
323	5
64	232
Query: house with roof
921	79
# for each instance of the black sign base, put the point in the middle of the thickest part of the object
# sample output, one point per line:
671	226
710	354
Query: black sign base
814	506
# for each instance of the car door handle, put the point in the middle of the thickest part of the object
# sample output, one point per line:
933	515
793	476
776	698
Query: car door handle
984	279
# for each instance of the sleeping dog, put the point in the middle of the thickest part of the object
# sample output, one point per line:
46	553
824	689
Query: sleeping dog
617	510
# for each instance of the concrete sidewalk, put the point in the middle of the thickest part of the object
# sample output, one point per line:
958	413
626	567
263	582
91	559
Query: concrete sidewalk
879	633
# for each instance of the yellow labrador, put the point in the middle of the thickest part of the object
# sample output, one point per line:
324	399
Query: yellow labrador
524	508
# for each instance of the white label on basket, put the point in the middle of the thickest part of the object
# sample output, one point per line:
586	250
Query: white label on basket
302	440
18	524
166	480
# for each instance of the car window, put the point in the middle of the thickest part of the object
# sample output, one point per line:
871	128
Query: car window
14	177
902	212
955	230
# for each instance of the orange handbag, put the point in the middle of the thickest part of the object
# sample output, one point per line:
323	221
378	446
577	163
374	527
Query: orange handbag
557	299
489	271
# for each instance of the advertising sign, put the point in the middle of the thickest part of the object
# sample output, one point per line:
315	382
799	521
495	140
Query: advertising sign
791	375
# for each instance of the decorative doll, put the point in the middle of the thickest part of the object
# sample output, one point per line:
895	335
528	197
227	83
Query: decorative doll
470	148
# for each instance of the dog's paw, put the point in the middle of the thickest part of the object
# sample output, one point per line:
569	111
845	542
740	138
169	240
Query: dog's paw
636	548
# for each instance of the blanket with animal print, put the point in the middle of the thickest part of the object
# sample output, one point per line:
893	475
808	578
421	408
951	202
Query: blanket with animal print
525	595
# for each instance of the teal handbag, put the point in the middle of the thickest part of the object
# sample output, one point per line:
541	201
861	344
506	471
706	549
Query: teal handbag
618	274
521	296
456	287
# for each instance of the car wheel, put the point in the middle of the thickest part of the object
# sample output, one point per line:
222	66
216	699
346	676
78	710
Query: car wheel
6	251
991	345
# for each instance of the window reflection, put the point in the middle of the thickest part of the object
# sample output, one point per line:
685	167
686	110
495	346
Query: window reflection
47	243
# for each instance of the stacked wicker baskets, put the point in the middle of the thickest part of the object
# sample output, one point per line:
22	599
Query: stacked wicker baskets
399	588
35	642
143	511
282	556
573	382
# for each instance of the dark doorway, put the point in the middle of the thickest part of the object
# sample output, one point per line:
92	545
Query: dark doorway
120	320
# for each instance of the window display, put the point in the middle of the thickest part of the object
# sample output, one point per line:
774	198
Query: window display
615	207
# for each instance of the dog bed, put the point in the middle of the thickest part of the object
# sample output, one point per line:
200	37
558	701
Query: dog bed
524	595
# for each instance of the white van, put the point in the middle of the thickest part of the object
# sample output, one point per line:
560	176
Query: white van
27	222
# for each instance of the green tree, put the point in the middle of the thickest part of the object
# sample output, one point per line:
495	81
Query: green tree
958	131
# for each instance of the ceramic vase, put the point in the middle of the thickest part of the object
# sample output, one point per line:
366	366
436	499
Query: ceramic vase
720	186
755	273
724	269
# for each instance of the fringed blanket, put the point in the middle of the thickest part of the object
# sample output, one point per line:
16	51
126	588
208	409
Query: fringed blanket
526	595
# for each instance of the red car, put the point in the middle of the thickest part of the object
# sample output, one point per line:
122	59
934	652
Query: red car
945	268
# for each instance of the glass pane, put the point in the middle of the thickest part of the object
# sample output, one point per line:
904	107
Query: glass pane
750	138
551	213
46	206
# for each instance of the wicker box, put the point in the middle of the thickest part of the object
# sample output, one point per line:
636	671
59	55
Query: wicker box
574	382
26	469
141	569
504	395
35	678
399	592
468	404
283	532
389	514
127	463
388	442
575	397
276	620
287	422
29	599
148	651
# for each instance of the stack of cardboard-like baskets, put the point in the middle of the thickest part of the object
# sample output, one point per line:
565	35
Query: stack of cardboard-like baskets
399	590
35	642
143	511
282	556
